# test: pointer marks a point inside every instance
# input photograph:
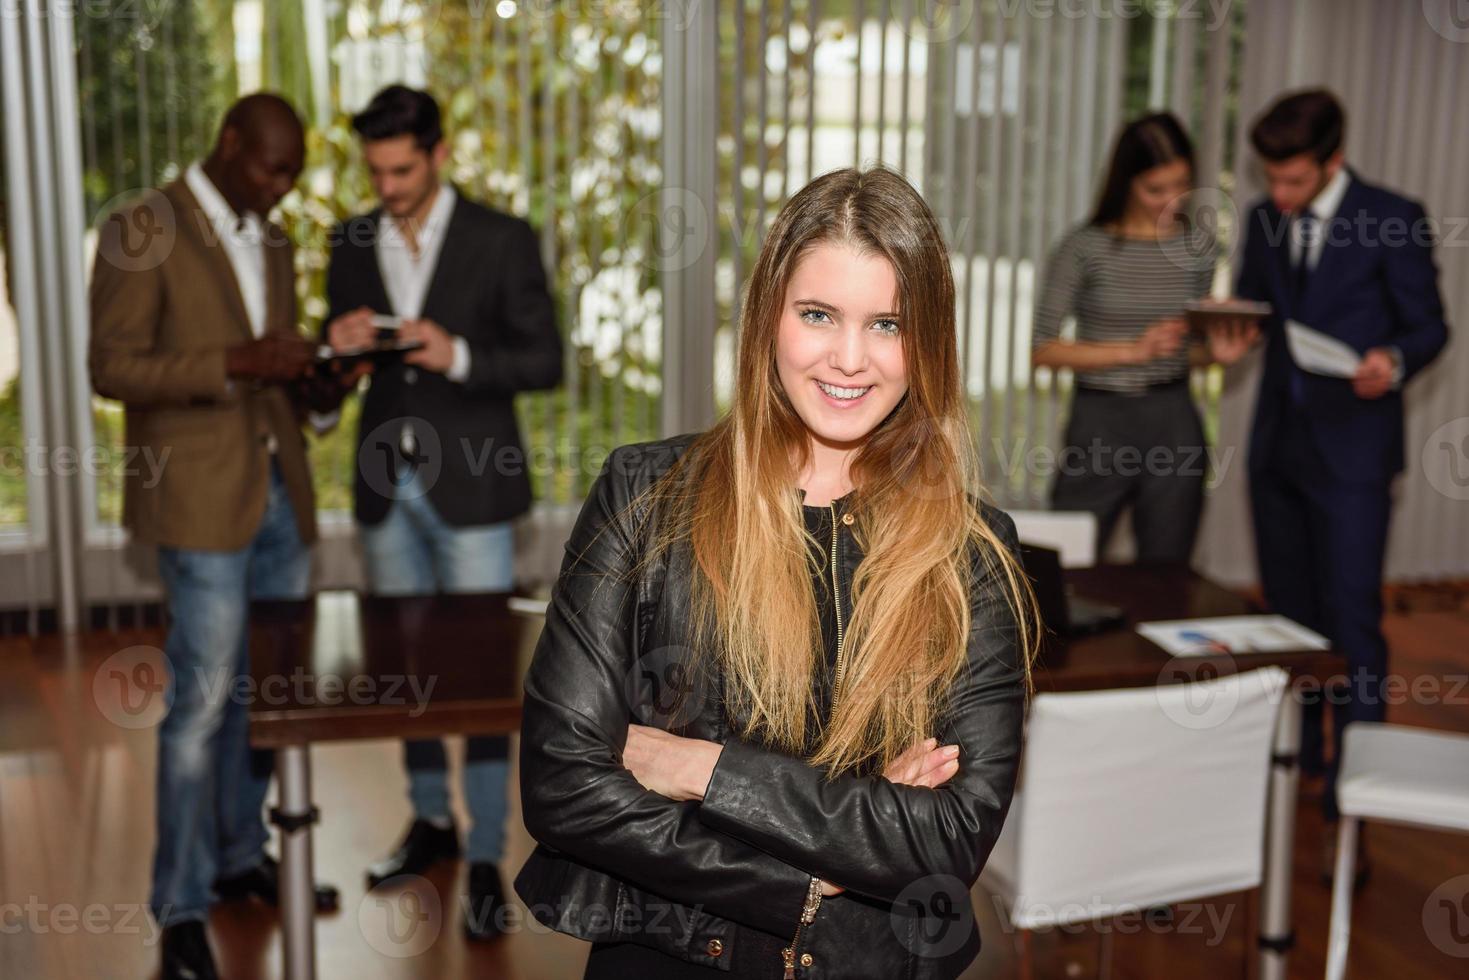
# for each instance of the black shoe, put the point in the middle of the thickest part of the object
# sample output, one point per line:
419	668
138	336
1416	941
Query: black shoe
424	846
186	954
482	918
264	882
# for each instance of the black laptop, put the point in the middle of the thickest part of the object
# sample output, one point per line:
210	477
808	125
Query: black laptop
1064	614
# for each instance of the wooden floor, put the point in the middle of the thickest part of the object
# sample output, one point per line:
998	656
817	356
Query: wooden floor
76	819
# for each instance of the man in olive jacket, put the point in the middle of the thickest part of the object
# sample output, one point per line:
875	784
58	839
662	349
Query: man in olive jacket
193	314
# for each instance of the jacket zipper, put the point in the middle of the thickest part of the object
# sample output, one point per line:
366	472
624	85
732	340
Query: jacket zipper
813	893
836	595
808	914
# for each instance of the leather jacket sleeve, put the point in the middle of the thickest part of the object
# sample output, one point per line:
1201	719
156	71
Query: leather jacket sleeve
876	837
576	795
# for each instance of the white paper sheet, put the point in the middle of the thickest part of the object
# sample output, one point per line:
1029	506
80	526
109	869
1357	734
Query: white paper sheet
1231	634
1317	353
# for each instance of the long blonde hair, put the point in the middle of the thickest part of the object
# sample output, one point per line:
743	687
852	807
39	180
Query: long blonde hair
732	498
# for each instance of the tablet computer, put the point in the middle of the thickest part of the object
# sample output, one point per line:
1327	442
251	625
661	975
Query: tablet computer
1205	312
386	348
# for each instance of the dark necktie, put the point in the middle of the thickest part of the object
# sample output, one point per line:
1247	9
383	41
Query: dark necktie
1305	234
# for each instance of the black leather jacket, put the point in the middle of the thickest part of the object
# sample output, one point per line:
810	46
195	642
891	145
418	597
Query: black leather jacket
620	863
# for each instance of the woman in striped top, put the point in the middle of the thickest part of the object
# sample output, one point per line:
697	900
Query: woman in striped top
1134	436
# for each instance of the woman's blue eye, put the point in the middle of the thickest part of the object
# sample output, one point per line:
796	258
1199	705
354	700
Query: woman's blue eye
883	326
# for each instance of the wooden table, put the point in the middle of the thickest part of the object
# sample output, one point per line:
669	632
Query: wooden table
336	667
1122	658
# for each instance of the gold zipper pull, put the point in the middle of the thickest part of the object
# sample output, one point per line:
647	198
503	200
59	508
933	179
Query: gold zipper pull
808	915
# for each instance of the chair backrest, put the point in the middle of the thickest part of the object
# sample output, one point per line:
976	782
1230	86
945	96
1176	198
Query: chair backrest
1135	798
1072	533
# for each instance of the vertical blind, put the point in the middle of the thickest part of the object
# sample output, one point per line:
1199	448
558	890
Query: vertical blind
1001	113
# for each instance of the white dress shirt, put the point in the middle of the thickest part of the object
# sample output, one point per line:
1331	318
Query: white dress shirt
243	240
244	243
407	273
1323	208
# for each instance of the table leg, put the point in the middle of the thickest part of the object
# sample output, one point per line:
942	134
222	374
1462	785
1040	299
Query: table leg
298	899
1277	935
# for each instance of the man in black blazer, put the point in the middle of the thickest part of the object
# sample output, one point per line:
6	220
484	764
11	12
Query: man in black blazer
1335	254
441	468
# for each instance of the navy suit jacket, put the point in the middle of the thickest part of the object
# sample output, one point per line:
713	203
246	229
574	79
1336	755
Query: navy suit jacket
1375	285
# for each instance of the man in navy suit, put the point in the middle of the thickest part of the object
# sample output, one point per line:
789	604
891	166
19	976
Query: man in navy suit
1355	262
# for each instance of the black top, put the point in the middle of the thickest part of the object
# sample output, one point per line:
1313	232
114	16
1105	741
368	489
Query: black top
754	954
818	522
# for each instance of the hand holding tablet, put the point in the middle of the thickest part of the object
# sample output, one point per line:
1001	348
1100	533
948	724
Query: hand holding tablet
1231	326
363	335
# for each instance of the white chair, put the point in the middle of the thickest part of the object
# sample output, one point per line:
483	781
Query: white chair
1071	532
1398	775
1132	799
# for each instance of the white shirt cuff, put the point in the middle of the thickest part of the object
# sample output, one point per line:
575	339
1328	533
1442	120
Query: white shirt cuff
459	367
1396	353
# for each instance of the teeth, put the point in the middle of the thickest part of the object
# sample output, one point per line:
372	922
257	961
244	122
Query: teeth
843	392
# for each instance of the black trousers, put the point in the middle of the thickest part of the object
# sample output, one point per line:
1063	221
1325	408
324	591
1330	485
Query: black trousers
1146	451
1321	545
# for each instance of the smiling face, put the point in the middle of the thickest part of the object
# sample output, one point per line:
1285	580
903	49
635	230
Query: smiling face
838	350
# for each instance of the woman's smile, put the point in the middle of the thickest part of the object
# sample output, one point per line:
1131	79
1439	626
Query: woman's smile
843	398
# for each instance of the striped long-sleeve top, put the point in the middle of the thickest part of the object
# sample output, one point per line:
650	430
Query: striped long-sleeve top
1117	287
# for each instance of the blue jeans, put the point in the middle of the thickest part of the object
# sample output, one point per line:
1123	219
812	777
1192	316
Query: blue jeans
413	552
211	785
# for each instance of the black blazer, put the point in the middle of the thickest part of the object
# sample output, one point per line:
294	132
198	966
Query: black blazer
1376	285
490	288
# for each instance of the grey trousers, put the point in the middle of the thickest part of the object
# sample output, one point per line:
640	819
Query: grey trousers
1146	451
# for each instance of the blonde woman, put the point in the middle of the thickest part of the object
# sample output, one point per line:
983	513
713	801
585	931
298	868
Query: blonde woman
773	722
